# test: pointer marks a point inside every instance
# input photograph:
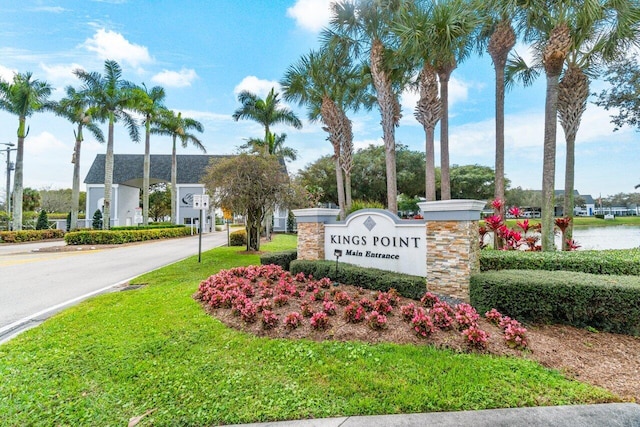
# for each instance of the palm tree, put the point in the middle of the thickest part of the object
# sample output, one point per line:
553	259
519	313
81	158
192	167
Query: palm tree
267	112
177	127
149	102
364	27
75	108
22	97
329	85
273	145
598	38
498	37
453	25
110	97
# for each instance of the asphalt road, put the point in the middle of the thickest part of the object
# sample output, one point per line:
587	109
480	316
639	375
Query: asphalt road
35	284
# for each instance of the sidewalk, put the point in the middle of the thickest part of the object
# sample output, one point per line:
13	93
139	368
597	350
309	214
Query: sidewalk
609	415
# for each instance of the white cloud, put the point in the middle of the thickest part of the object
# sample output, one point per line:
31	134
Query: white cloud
7	74
59	75
311	15
364	143
182	78
44	143
111	45
51	9
255	85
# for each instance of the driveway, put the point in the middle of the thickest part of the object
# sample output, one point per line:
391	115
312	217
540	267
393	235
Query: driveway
36	280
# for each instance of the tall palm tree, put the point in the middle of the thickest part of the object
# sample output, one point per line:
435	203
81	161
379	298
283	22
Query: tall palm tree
267	112
273	145
111	96
149	102
177	127
329	85
454	24
22	97
75	108
598	38
413	30
364	27
498	37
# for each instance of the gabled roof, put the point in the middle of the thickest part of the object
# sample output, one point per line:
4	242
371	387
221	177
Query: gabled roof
127	168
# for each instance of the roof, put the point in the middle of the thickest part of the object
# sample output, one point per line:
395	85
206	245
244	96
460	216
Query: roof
127	168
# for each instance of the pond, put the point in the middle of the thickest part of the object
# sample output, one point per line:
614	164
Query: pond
597	238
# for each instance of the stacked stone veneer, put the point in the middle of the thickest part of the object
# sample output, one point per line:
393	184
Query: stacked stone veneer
453	249
311	231
452	256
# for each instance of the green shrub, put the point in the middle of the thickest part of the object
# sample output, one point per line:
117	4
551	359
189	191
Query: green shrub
148	227
370	278
30	235
43	221
111	237
356	205
607	303
238	238
61	215
283	259
96	223
622	262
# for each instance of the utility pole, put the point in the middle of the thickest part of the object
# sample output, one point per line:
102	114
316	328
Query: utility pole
9	169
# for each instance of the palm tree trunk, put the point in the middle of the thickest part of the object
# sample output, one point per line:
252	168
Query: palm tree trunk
18	178
549	163
75	186
340	182
174	185
568	189
390	112
145	173
499	64
445	180
347	187
108	178
430	164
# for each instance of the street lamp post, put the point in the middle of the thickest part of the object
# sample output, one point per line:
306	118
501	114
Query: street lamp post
9	168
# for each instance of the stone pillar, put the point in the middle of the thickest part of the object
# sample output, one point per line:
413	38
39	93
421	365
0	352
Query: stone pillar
311	231
453	247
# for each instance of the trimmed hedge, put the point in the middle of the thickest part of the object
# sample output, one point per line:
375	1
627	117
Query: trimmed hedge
283	259
30	235
370	278
607	303
105	237
147	227
238	238
620	262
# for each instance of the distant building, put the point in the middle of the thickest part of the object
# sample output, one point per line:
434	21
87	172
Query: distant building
127	182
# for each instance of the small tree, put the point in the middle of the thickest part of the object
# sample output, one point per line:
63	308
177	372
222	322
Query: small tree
97	220
291	222
249	184
69	221
43	221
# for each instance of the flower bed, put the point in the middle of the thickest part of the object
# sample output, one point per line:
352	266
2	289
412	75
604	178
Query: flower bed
267	300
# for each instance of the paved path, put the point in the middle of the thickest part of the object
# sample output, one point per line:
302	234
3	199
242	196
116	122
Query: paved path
34	284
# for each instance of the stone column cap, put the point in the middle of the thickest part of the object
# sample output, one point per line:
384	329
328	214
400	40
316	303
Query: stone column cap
452	210
323	215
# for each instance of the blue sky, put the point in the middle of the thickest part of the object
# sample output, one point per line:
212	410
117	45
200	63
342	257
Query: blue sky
203	52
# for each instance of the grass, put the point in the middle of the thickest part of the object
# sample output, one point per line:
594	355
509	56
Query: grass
119	355
590	221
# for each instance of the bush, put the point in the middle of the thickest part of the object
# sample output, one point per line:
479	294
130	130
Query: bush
621	262
607	303
29	235
370	278
43	221
238	238
96	224
106	237
147	227
364	204
283	259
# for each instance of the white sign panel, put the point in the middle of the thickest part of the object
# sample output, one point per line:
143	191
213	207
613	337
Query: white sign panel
376	238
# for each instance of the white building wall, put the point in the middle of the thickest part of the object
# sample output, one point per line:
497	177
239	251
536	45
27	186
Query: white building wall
128	200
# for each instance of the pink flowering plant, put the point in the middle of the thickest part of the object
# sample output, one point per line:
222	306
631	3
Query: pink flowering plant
254	298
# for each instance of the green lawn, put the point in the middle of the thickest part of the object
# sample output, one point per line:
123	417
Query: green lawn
580	221
119	355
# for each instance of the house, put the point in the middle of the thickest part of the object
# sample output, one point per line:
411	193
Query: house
127	183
